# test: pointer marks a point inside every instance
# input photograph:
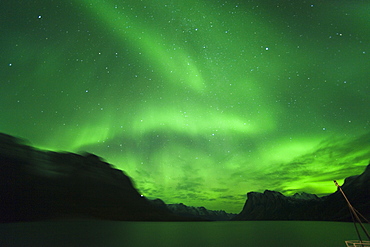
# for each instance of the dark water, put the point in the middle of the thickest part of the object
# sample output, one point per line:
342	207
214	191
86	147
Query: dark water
109	233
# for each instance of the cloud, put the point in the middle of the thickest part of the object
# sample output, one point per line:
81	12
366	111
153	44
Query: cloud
221	190
332	159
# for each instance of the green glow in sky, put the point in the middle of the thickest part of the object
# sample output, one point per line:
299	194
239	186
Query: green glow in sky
198	101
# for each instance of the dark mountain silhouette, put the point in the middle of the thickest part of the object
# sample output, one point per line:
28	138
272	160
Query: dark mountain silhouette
40	185
190	211
201	212
272	205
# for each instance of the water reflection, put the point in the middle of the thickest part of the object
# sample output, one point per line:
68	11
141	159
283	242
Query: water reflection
108	233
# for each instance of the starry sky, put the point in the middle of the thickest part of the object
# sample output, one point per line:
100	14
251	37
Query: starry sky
198	101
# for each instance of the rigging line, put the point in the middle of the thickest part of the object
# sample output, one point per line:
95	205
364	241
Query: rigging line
353	210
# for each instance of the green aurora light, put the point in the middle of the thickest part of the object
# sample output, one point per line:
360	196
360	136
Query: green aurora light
199	102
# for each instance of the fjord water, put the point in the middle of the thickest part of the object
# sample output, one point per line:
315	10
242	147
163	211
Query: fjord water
241	233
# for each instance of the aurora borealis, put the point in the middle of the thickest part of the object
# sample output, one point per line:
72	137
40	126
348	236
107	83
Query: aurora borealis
198	101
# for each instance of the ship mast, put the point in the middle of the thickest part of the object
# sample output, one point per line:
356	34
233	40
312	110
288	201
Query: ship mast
355	214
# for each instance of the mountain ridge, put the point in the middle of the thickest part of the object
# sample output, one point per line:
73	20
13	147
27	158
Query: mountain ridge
42	185
273	205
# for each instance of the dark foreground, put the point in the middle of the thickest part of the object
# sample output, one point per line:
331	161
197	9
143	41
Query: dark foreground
114	233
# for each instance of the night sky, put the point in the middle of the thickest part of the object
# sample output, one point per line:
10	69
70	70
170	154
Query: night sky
198	101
